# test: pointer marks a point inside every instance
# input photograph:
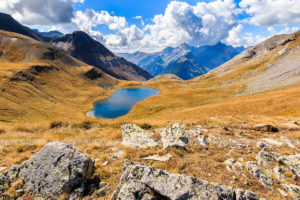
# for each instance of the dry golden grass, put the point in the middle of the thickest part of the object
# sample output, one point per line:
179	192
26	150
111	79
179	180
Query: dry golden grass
32	115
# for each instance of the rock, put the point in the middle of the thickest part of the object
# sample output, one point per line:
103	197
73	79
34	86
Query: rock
230	165
291	125
265	128
118	155
164	158
203	141
282	52
174	136
288	142
57	169
140	181
279	173
196	131
272	142
263	145
256	171
293	190
105	163
292	162
282	193
2	168
7	178
136	137
264	158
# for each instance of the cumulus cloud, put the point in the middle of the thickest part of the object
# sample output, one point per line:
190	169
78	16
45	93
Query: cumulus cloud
272	12
236	38
203	24
286	30
40	12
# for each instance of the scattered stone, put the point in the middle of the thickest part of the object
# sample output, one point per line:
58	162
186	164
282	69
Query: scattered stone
258	172
293	190
282	193
292	125
164	158
292	162
265	128
140	181
264	158
57	169
105	163
288	142
272	142
230	165
203	141
279	173
263	145
2	168
7	178
196	131
118	155
136	137
174	136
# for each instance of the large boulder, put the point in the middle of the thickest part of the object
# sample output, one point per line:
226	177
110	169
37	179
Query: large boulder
140	181
136	137
58	169
174	136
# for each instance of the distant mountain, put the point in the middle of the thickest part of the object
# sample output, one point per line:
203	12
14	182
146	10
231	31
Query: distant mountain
7	23
185	61
81	46
48	34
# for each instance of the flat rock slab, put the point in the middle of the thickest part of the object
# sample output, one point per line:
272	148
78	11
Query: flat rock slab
265	128
136	137
164	158
57	169
140	181
174	136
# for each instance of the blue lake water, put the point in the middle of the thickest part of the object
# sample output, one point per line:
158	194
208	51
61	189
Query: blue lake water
121	102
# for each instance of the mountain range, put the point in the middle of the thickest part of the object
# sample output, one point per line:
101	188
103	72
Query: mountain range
184	61
81	46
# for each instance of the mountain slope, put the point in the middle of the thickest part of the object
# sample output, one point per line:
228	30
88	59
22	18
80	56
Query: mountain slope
185	61
41	82
272	64
88	50
7	23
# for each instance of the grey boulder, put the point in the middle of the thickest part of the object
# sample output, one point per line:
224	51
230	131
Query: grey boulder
140	181
136	137
174	136
57	169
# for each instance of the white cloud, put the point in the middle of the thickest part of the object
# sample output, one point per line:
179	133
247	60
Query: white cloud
40	12
236	39
138	17
272	12
203	24
286	30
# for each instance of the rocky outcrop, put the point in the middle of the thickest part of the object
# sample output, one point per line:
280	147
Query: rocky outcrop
203	141
264	158
164	158
174	136
140	181
260	174
292	162
293	190
136	137
58	169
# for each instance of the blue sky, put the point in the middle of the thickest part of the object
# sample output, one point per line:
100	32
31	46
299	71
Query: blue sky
151	25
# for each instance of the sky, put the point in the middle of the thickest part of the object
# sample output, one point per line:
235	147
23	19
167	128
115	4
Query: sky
152	25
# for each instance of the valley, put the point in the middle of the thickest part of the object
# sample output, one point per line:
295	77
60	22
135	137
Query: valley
232	116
